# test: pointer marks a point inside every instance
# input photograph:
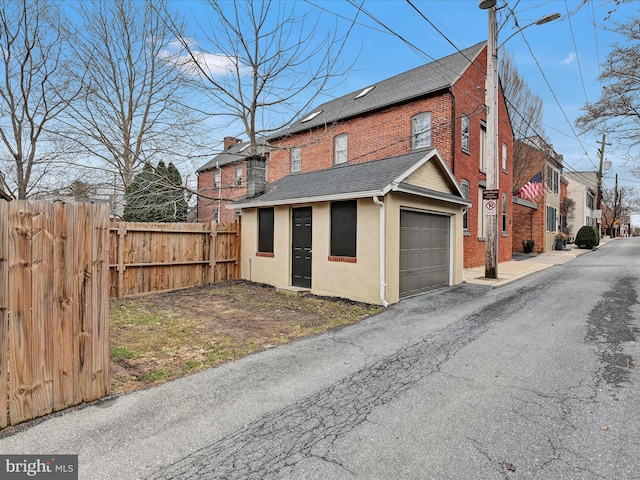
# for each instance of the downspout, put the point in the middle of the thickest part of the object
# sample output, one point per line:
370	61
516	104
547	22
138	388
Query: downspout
453	131
383	252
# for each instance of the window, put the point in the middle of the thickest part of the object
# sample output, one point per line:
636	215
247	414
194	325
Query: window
296	159
365	91
216	215
483	148
504	157
590	201
465	133
217	179
551	218
343	228
482	224
340	143
265	230
464	186
239	176
311	116
553	179
421	130
504	213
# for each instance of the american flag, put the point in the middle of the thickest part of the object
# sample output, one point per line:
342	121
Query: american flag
532	188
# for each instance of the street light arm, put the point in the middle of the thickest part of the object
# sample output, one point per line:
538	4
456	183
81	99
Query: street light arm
541	21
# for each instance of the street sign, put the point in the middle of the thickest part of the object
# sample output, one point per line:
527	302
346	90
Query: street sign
490	207
597	214
490	201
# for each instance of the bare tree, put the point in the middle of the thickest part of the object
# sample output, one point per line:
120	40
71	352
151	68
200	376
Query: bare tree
525	111
262	64
33	94
617	112
133	109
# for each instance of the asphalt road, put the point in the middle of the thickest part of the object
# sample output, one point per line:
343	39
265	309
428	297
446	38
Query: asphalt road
533	380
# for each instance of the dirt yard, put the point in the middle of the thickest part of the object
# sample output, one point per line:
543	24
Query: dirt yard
160	336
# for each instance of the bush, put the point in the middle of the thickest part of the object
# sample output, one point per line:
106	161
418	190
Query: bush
587	237
597	232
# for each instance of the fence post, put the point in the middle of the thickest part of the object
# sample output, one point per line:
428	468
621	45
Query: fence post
213	235
122	231
4	311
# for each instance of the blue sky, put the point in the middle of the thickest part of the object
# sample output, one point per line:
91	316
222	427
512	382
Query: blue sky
567	52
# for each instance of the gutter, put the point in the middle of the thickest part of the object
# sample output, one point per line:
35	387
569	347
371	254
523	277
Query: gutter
383	252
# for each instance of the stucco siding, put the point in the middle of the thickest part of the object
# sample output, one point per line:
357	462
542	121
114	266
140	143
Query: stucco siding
430	176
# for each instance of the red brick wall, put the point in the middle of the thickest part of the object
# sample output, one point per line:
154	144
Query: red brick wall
528	223
210	199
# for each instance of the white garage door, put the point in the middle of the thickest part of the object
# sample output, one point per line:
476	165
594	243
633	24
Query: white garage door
424	252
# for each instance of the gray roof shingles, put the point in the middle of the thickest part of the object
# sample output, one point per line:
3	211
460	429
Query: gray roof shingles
340	180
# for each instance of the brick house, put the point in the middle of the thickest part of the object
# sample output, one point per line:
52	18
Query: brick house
538	219
224	180
440	104
432	117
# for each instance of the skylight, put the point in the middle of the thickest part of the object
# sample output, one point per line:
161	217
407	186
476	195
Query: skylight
365	91
311	116
244	147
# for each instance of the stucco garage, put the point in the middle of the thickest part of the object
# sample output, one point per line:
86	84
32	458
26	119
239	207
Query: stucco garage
425	244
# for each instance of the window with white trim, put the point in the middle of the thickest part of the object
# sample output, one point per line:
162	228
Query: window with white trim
464	186
504	213
482	224
340	145
421	130
217	179
504	157
483	148
296	159
553	179
465	133
239	176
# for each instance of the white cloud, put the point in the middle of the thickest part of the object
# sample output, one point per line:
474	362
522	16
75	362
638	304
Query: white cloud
570	59
215	64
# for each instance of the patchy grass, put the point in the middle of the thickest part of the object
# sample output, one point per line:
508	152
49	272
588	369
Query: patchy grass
161	336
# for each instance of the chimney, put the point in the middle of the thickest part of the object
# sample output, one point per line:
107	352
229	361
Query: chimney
230	141
256	176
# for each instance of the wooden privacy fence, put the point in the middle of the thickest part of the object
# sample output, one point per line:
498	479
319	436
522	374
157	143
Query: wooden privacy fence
151	257
54	307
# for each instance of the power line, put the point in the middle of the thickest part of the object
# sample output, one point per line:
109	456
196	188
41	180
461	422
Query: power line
575	47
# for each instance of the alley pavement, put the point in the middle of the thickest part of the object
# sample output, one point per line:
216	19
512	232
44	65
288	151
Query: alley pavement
522	264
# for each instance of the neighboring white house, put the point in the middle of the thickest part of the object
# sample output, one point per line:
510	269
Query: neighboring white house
582	188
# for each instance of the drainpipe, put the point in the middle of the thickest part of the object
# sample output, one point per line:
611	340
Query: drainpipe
383	253
464	280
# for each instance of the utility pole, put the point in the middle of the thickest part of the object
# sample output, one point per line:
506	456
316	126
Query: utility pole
599	193
616	206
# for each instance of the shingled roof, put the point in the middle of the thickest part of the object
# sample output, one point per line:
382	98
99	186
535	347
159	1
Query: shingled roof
235	153
424	80
352	181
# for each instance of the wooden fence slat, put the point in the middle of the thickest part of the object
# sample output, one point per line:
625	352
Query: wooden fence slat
64	368
4	313
42	276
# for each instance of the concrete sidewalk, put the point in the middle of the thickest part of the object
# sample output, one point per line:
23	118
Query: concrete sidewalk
525	264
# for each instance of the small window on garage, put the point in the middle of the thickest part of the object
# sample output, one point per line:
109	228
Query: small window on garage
265	230
343	228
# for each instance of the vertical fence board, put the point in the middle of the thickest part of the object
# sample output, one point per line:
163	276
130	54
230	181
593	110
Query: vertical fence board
4	313
21	345
64	369
101	376
42	292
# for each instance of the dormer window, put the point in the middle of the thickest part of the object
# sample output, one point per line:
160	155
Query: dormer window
365	91
311	116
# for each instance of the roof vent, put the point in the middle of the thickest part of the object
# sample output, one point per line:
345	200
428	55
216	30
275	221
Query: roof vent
311	116
365	91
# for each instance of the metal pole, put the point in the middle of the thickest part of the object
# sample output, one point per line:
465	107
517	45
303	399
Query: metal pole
491	259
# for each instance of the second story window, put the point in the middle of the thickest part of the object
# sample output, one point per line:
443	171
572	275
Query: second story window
553	179
296	159
421	130
217	180
465	133
464	186
504	157
239	176
340	144
483	148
